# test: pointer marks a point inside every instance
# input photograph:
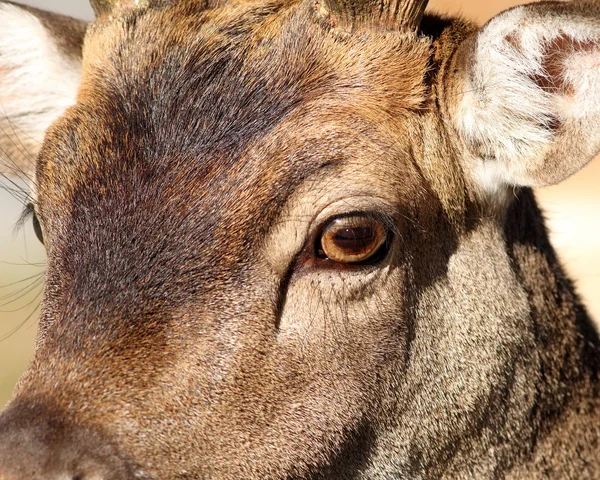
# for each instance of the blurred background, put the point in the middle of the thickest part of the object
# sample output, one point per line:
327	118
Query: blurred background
572	209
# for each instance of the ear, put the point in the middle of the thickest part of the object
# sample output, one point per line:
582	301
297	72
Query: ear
39	75
526	101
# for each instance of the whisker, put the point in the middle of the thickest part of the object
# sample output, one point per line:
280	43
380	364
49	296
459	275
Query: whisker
22	293
20	324
18	192
21	281
22	148
25	264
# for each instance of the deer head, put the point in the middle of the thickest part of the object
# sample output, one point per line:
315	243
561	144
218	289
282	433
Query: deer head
283	242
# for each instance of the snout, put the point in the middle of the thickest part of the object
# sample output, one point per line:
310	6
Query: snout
38	443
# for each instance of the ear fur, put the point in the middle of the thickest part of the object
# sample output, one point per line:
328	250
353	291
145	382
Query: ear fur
526	101
39	75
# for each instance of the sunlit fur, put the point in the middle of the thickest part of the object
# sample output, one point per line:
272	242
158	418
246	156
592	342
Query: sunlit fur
188	332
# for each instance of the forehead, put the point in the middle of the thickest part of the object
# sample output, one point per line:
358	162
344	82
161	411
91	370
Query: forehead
184	92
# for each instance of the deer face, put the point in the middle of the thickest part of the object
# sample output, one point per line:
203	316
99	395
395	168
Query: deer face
248	216
186	200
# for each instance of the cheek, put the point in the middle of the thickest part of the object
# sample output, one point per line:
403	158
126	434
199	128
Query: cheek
351	322
298	392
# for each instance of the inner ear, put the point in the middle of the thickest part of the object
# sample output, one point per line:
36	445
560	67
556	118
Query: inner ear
528	94
556	66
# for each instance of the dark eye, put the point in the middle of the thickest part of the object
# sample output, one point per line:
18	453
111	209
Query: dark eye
353	239
37	228
29	212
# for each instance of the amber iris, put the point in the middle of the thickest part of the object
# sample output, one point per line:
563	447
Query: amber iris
352	239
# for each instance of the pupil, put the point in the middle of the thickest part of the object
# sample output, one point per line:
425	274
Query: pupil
354	240
354	233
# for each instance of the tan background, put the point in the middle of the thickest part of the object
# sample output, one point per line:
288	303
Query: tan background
573	211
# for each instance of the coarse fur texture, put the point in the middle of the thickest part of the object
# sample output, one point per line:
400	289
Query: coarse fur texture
190	330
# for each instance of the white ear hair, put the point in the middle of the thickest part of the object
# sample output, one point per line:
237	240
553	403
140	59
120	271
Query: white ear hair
38	82
528	104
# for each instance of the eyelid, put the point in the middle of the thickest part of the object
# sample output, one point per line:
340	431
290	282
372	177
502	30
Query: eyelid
386	219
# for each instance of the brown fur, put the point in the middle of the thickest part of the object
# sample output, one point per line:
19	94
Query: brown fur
188	331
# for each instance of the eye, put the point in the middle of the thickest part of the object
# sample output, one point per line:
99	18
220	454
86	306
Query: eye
353	239
37	228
